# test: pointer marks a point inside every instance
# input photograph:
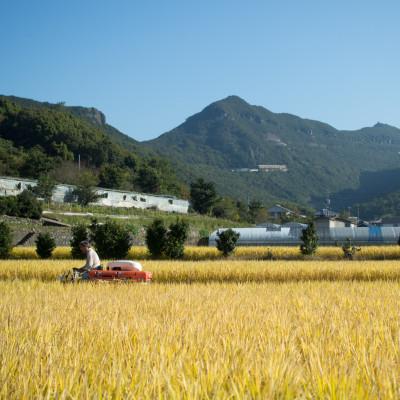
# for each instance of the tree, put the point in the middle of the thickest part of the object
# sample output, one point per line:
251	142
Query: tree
37	163
226	241
112	177
5	240
79	233
156	234
85	191
225	208
148	180
45	187
175	239
163	242
257	212
202	195
111	239
309	238
27	206
45	245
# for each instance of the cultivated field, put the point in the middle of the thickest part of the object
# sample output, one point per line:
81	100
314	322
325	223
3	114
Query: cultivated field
205	329
194	253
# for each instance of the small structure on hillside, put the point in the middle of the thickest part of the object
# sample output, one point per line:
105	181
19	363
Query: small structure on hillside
272	167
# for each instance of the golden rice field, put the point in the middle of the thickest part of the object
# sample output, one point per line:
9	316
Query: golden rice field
194	253
218	329
220	271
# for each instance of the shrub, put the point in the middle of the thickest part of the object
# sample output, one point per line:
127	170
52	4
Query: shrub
309	238
226	242
5	240
156	238
79	233
28	206
111	239
45	245
24	205
175	239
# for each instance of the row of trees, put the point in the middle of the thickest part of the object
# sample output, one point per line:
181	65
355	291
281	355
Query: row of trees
113	240
205	200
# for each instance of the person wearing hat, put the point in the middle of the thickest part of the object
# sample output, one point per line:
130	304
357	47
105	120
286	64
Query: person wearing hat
92	259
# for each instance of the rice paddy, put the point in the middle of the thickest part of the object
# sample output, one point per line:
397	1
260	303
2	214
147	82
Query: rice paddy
203	329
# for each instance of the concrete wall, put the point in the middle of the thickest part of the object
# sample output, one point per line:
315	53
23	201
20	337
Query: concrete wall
113	198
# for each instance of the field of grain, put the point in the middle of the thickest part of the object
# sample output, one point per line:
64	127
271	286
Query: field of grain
194	253
206	329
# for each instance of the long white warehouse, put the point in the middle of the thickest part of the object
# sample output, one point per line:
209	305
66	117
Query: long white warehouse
108	197
372	235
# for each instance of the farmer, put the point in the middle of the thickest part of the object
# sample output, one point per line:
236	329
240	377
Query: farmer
92	259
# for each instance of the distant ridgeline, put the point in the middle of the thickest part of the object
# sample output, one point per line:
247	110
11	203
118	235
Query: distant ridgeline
230	135
307	160
107	197
41	138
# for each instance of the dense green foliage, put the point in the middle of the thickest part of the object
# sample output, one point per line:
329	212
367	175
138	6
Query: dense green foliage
45	245
163	242
39	139
202	196
175	240
386	205
5	240
44	188
321	159
79	234
85	191
226	241
111	239
155	238
309	238
24	205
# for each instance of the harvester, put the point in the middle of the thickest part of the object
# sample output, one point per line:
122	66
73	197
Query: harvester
116	271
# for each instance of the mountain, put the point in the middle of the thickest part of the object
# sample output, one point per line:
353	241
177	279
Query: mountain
352	167
90	114
387	205
42	138
321	160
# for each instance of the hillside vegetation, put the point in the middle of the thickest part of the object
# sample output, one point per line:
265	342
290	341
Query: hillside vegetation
39	139
353	167
321	159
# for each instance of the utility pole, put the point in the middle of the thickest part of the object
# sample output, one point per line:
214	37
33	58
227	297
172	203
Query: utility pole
79	162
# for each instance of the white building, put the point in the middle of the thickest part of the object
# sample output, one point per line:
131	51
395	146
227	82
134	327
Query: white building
108	197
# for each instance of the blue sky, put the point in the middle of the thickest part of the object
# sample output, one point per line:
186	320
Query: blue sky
149	65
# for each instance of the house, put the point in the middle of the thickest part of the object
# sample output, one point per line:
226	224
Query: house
272	167
390	221
278	211
324	222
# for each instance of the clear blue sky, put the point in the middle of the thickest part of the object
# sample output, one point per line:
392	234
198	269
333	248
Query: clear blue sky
148	65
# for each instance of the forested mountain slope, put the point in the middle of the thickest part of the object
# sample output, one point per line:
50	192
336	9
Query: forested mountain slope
41	138
321	160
